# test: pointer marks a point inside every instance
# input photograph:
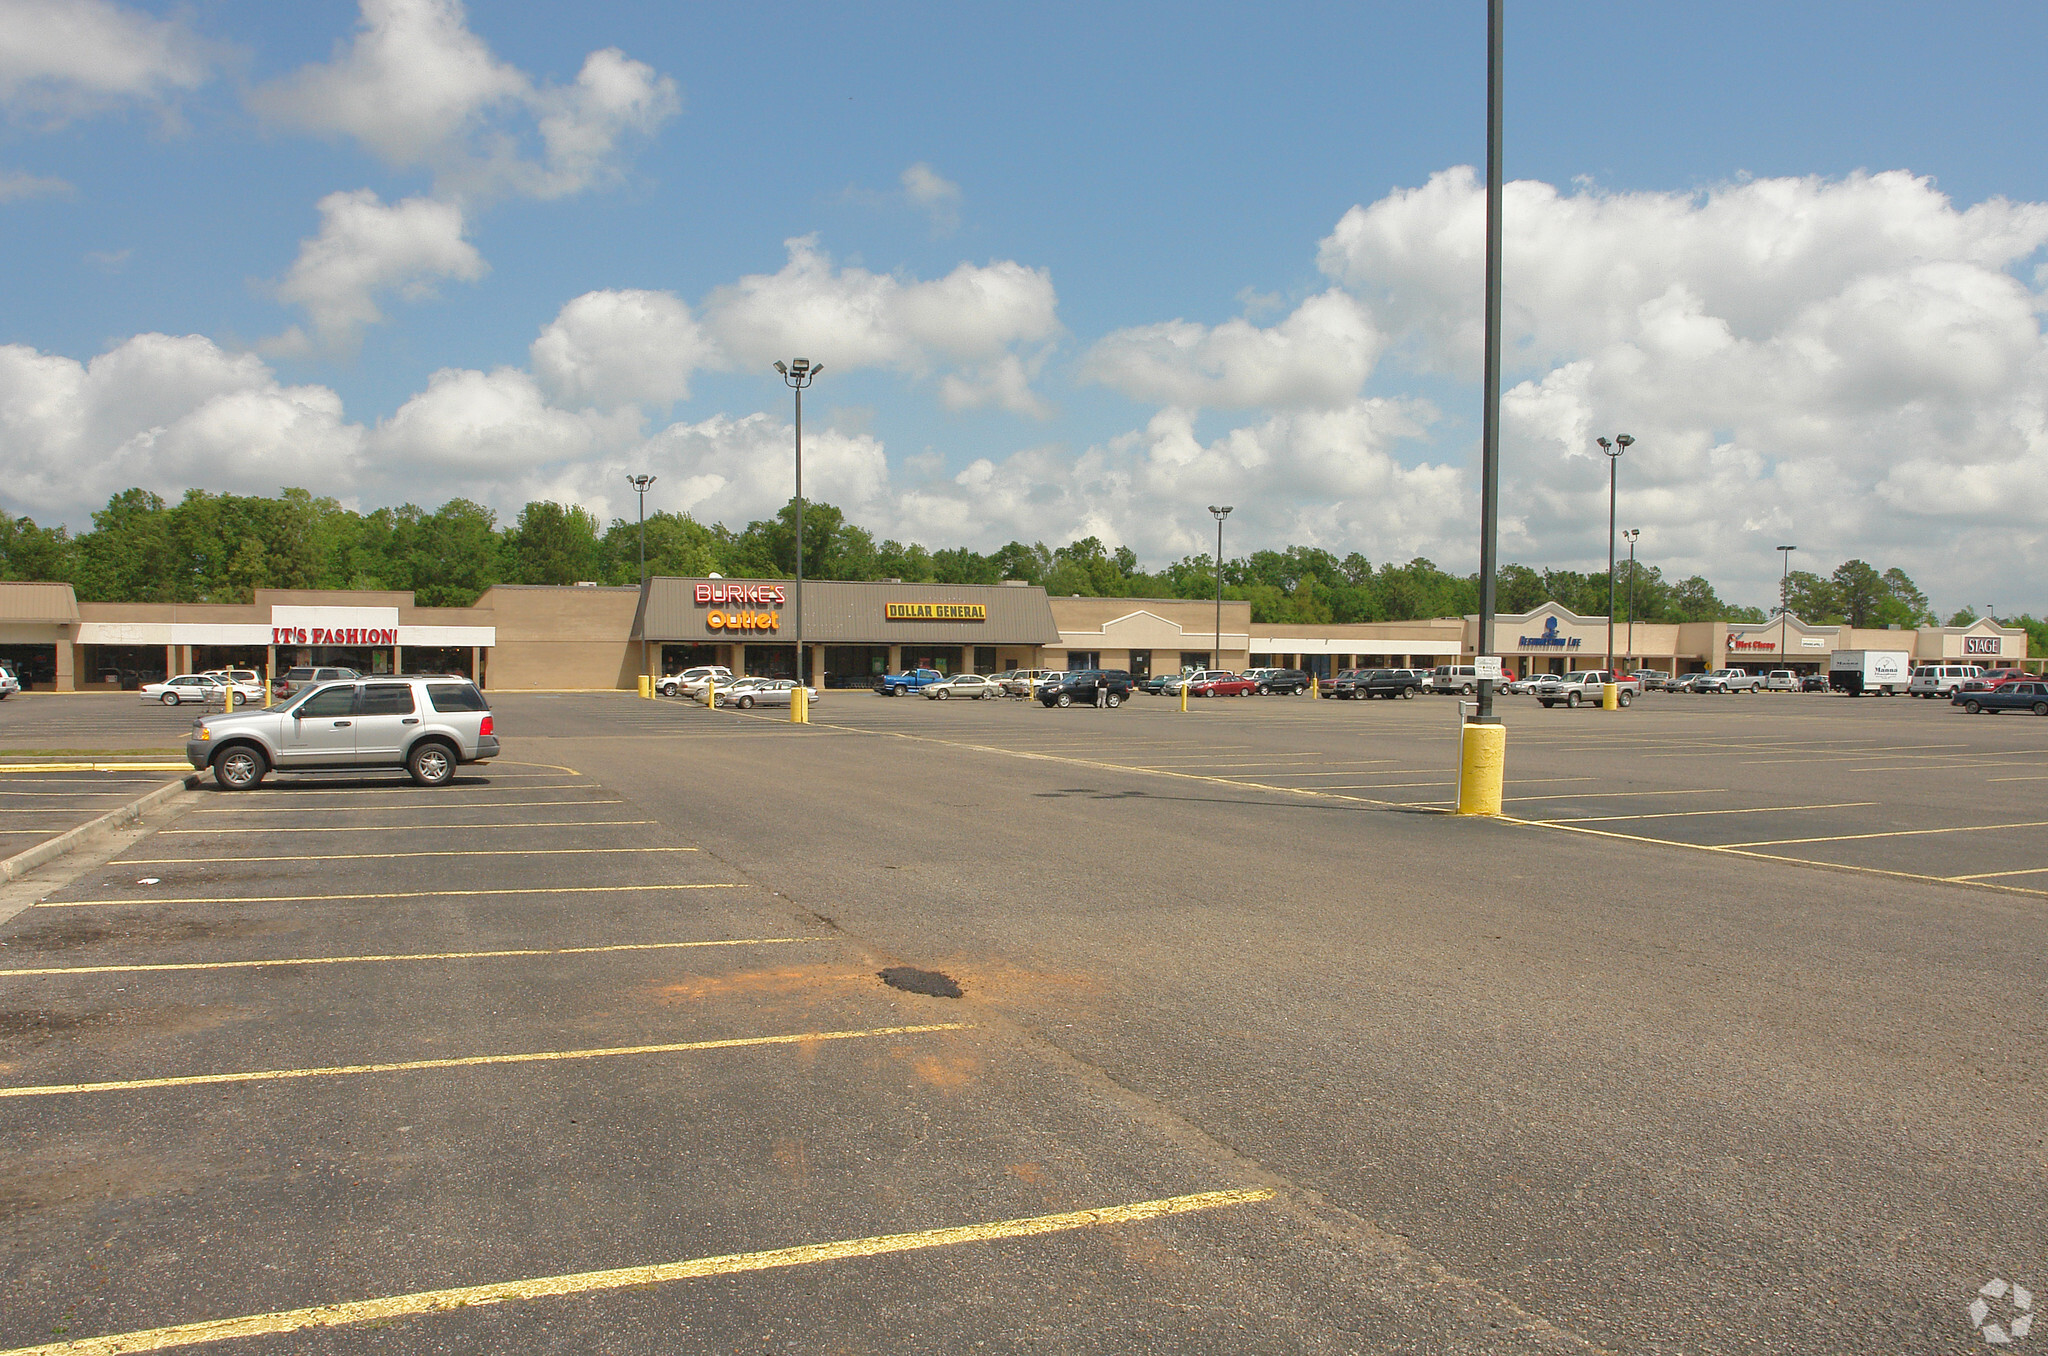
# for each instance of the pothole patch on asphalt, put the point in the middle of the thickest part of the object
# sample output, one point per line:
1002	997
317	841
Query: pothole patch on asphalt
910	979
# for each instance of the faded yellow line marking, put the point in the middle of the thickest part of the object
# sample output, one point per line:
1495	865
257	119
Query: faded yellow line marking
389	856
1760	857
1582	795
1691	814
399	789
418	956
420	805
393	894
1894	833
2016	779
96	767
402	828
619	1278
472	1061
1995	875
110	791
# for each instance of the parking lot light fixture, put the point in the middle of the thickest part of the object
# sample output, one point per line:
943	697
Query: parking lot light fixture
640	483
1784	593
1614	449
798	373
1216	660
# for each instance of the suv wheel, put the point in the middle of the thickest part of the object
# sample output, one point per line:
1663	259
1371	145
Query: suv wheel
431	763
1408	694
1624	697
239	767
1571	699
1064	699
1265	691
1113	700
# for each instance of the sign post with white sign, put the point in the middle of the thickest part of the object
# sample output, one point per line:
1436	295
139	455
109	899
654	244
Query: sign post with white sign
1486	667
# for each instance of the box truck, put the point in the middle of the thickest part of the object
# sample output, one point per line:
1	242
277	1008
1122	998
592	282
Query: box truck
1859	671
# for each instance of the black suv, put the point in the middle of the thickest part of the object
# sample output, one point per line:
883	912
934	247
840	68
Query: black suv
1079	687
1354	684
1288	682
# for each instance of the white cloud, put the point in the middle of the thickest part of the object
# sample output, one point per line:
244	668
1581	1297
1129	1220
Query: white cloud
492	425
618	347
163	412
366	249
61	59
935	195
848	318
1318	357
15	185
420	90
1004	384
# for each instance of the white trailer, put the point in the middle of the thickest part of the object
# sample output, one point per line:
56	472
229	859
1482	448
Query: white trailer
1859	671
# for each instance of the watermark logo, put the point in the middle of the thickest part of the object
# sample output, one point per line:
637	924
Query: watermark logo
2002	1313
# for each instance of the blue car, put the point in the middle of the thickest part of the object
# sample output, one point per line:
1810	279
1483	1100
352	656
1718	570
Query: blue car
2028	696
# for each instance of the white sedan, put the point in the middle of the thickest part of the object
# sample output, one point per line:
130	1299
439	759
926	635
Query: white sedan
201	688
963	685
749	693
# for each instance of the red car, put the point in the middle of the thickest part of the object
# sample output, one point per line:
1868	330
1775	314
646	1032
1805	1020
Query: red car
1996	679
1232	686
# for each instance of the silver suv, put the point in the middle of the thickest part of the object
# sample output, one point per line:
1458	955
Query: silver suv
427	726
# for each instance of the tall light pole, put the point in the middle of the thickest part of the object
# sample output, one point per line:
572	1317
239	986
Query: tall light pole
1489	398
640	483
1632	534
1216	660
1784	594
797	374
1613	450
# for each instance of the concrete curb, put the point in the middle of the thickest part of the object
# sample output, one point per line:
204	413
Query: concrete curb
21	863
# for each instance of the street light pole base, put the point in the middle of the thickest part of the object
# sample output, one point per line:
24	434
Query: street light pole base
1482	768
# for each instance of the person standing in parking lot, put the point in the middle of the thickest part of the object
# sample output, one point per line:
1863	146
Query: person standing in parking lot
1101	690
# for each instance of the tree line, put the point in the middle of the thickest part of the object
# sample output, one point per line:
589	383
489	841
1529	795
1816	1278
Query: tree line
220	548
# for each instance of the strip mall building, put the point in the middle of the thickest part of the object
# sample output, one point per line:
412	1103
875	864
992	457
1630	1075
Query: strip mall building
530	637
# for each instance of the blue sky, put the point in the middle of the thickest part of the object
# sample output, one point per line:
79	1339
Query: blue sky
1750	241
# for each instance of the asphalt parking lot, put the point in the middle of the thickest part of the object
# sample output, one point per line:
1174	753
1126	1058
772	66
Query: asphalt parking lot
1626	1070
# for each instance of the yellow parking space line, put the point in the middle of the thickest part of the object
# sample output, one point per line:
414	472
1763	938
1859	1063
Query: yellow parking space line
395	894
420	1302
473	1061
391	856
403	828
397	788
1691	814
1581	795
1740	851
1998	875
415	956
111	791
2016	779
421	805
180	766
1893	833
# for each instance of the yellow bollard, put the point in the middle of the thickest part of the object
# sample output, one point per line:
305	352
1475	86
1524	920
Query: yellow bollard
799	706
1482	765
1610	696
646	686
227	698
1183	695
710	693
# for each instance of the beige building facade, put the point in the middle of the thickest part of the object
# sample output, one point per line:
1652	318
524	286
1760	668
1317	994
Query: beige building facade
531	637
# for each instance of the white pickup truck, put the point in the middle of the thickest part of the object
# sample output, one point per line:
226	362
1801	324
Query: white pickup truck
1727	680
1583	688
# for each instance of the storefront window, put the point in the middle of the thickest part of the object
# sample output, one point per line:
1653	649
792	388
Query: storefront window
944	658
122	666
855	665
1141	664
1084	659
1194	659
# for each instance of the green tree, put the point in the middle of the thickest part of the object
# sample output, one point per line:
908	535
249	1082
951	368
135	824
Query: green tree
31	552
453	553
